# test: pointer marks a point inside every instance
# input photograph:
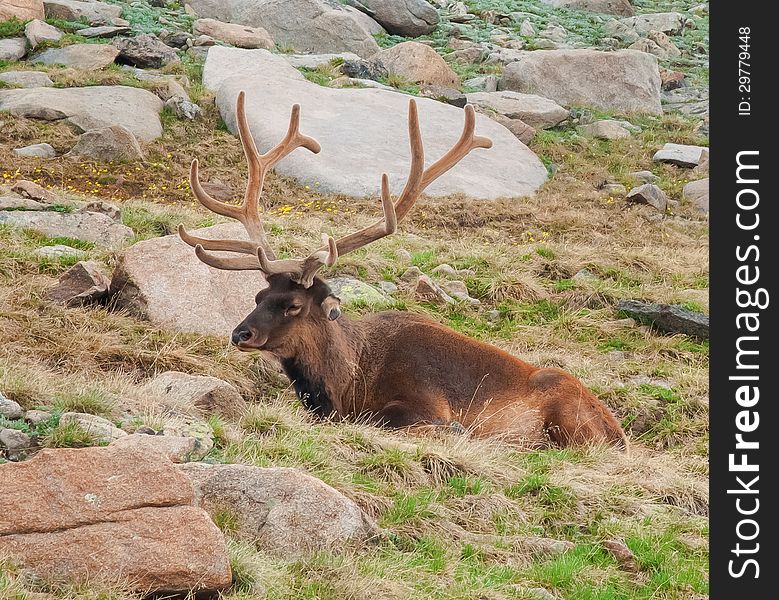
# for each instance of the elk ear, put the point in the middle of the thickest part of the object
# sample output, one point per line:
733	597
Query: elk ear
331	306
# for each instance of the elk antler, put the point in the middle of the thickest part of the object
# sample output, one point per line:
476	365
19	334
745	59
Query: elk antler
303	270
248	212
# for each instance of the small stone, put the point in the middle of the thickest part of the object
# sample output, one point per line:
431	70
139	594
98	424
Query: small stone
527	29
539	593
42	150
38	32
37	417
445	270
103	31
671	80
26	79
197	393
669	318
144	51
17	444
119	22
350	290
617	355
178	449
411	274
493	316
10	409
444	94
403	254
682	155
363	69
703	166
521	130
586	276
18	203
458	290
12	49
614	190
183	108
115	143
427	289
58	251
84	283
623	554
545	44
697	194
483	83
102	430
554	32
387	287
204	41
649	194
177	39
30	189
605	130
645	176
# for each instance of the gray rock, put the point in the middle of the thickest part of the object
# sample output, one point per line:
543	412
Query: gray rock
96	13
102	430
90	227
241	36
178	449
312	61
37	32
37	417
668	318
103	31
535	111
417	63
58	251
144	51
92	107
19	203
614	189
648	194
672	23
610	7
22	10
387	287
411	275
657	44
283	511
18	445
37	150
88	57
183	108
485	83
459	291
444	94
197	393
645	176
84	283
30	189
554	33
408	18
697	193
624	81
162	280
363	69
10	409
374	136
427	289
539	593
12	49
527	29
103	207
310	26
586	276
682	155
616	29
26	79
605	130
523	132
177	39
115	143
350	290
693	101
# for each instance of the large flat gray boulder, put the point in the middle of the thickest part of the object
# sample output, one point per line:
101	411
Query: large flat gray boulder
162	280
622	81
313	26
97	228
92	107
363	132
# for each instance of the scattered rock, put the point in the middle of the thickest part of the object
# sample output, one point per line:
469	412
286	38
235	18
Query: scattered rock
671	80
103	207
605	130
459	291
658	44
18	203
669	318
523	132
241	36
9	409
30	189
539	593
103	31
527	29
467	56
92	107
444	94
183	108
650	194
115	143
407	18
84	283
535	111
682	155
614	189
485	83
12	49
403	255
102	430
671	23
178	449
350	290
554	33
427	289
89	227
363	69
162	280
144	51
645	176
205	395
37	417
310	26
18	445
282	511
703	165
58	251
446	270
586	276
623	554
26	79
411	275
418	63
95	13
697	193
623	81
176	39
37	150
21	10
387	287
87	57
108	515
37	32
609	7
374	135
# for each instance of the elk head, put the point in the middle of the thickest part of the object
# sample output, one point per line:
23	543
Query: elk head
295	294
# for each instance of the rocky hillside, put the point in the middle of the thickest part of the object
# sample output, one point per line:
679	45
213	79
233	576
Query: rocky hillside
139	453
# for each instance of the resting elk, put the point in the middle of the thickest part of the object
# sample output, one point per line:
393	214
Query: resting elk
395	369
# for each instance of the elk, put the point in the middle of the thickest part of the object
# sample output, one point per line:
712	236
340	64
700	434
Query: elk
395	369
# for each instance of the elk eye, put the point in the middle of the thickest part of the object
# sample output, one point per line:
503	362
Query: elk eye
293	310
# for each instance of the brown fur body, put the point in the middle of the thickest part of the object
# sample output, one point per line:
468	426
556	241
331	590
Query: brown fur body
402	370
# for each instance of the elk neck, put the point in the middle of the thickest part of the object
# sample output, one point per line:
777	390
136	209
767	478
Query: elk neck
322	362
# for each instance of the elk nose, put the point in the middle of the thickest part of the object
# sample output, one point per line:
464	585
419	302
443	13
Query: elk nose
241	336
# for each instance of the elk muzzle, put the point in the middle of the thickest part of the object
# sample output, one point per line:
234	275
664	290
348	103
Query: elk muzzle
247	340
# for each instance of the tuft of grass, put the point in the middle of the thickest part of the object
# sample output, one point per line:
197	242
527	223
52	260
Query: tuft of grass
69	435
93	401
